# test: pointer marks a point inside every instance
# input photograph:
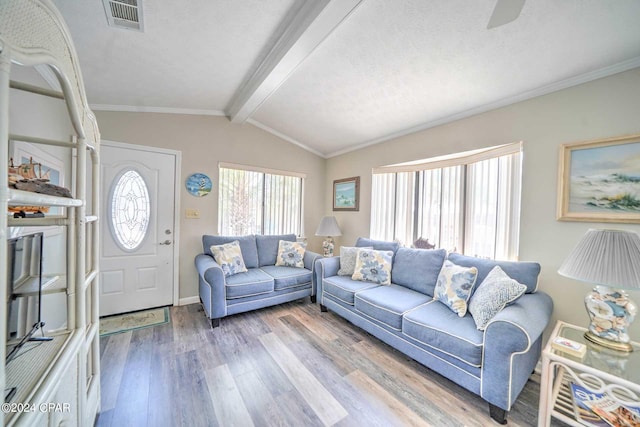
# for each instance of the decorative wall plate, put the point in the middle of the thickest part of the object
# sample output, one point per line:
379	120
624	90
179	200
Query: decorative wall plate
198	184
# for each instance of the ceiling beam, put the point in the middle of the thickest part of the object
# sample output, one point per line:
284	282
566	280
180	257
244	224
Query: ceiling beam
313	22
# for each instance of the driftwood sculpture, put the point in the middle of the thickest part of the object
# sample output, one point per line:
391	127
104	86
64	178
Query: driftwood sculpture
29	177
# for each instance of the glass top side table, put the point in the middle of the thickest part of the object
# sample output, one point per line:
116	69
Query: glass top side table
600	370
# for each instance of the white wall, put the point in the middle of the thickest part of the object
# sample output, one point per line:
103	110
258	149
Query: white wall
603	108
205	141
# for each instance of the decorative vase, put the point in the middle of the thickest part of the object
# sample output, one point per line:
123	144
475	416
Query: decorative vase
611	312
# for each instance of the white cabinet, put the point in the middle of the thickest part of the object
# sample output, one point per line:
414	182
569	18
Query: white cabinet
57	382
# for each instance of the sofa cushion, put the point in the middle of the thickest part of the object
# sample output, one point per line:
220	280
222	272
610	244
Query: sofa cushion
344	288
495	292
387	304
229	257
348	259
247	246
378	245
373	266
268	247
252	282
287	277
417	269
454	286
434	325
524	272
291	254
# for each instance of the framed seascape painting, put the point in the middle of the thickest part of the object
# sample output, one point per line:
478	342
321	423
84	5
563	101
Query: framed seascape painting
346	194
599	181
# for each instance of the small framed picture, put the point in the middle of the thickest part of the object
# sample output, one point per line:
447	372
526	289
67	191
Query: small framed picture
346	194
599	181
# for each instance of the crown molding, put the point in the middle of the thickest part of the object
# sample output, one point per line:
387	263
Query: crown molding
145	109
285	137
543	90
534	93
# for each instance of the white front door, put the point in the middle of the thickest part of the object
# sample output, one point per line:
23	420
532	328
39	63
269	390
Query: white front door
138	226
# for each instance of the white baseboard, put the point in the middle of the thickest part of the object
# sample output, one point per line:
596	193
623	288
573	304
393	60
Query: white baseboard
189	300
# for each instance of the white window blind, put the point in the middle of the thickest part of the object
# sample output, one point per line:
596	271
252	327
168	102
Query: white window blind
481	216
509	197
440	207
282	204
405	206
472	207
493	207
257	202
383	198
240	202
394	196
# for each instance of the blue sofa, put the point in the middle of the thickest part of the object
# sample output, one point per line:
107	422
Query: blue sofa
263	284
494	364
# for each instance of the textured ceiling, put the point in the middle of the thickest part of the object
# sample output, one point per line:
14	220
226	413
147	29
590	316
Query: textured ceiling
332	80
192	54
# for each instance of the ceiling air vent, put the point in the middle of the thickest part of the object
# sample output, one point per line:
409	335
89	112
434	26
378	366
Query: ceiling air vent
124	14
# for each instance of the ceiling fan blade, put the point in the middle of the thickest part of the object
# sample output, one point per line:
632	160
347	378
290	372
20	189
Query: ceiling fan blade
505	11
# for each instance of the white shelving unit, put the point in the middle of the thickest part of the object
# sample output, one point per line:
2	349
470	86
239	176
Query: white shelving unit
65	370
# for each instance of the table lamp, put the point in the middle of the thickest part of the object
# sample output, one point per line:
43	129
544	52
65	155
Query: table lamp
328	227
610	259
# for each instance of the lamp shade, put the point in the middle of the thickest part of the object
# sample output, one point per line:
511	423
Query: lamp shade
605	257
328	227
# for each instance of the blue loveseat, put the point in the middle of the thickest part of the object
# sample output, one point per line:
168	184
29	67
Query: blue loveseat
494	363
263	284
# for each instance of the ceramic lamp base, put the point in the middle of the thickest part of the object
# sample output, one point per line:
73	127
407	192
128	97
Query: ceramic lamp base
327	247
611	313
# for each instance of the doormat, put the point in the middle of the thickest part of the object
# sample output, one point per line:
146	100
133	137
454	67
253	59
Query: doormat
131	321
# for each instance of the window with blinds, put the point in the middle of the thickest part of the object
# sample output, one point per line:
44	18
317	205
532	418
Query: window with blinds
468	203
259	201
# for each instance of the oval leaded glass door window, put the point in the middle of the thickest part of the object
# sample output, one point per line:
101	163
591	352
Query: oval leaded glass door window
130	210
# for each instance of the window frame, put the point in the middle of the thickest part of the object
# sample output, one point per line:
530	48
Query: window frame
509	232
262	204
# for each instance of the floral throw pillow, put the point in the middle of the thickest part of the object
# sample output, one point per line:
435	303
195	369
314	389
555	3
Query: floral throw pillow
496	291
291	254
373	266
229	256
454	285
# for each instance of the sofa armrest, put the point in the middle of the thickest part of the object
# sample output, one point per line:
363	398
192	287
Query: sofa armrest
310	258
512	346
326	267
211	286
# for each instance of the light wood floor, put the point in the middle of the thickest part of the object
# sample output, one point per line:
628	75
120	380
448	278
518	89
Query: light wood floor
288	365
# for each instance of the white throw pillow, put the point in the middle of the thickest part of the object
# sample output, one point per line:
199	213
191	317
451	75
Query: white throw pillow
348	259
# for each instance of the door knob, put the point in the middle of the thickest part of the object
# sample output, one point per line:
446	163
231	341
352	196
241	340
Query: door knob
166	242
